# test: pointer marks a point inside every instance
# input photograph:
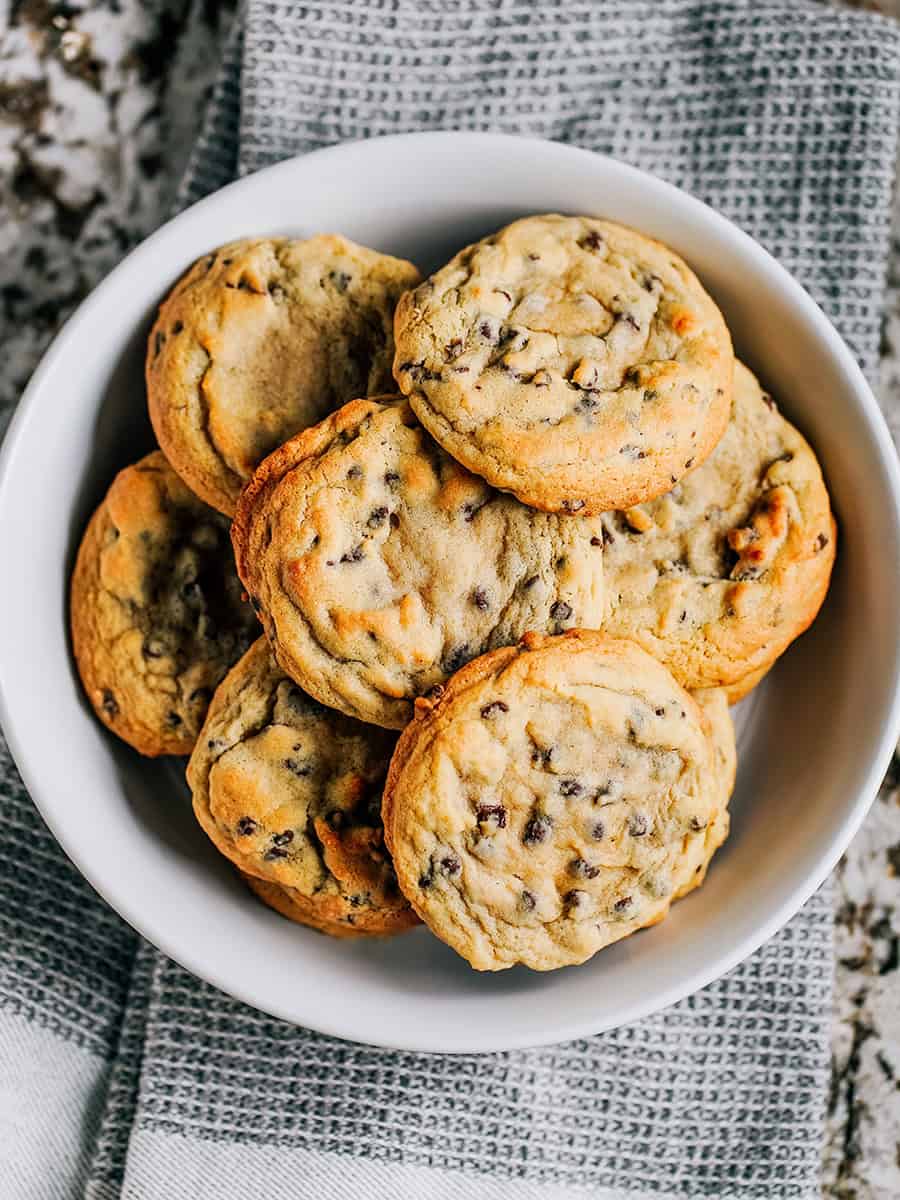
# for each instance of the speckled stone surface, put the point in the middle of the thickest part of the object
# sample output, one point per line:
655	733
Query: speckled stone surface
99	102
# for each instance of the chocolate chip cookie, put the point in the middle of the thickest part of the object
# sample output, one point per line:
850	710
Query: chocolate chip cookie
571	361
557	797
379	565
718	577
260	339
290	792
156	608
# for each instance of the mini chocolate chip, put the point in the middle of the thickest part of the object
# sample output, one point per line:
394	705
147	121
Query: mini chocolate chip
821	542
395	521
650	395
683	616
518	376
453	349
391	477
109	704
487	331
470	510
537	829
697	825
427	879
530	582
450	865
173	720
649	282
246	826
528	901
542	757
574	900
493	709
355	472
623	904
357	554
768	401
582	869
377	517
534	257
480	599
215	744
592	241
340	279
689	463
561	612
596	541
283	839
633	375
599	831
298	768
177	327
275	852
493	813
572	506
638	825
608	536
570	787
660	712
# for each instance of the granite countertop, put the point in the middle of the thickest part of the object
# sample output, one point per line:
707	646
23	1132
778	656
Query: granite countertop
99	101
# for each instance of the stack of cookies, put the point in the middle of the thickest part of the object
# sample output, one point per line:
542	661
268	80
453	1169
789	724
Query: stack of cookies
530	512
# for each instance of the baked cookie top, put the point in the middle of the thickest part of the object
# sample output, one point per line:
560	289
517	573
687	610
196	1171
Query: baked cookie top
156	609
554	799
568	360
290	792
379	565
719	576
261	338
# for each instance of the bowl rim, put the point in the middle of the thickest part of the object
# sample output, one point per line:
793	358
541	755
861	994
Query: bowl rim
700	976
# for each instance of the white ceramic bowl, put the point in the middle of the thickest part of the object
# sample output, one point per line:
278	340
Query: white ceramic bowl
813	745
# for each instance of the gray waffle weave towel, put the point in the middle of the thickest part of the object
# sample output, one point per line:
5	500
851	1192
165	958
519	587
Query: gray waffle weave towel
125	1077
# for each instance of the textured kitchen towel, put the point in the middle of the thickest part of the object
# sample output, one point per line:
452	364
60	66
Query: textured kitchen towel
122	1076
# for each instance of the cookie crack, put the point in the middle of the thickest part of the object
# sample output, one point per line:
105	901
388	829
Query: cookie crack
204	422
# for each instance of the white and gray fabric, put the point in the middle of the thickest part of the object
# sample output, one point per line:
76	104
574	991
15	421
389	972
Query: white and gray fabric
124	1078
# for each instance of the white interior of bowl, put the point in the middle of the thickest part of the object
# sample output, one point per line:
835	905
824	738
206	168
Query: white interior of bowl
814	742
